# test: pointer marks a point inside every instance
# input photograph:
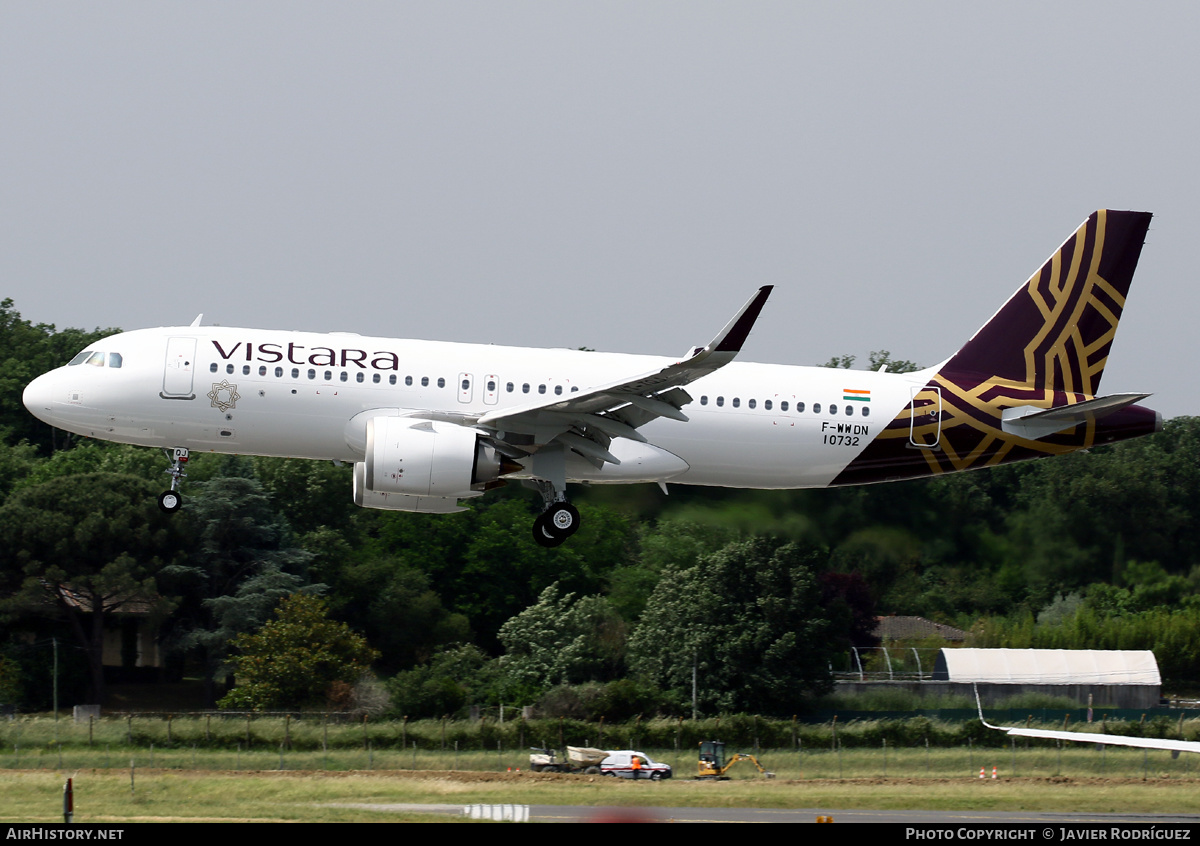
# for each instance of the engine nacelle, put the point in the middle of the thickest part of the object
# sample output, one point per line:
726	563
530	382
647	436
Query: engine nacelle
428	459
399	502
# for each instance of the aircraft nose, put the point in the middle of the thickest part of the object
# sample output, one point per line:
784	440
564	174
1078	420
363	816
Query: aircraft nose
39	397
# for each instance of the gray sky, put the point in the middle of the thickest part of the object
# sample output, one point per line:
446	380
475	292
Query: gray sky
615	175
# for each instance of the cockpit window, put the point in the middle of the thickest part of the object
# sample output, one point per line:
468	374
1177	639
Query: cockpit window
114	359
79	359
97	359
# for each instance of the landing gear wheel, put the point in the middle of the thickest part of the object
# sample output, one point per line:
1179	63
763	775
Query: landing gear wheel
169	501
562	519
542	534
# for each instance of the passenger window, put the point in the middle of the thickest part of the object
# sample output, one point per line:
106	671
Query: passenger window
312	374
295	372
262	371
392	379
245	369
832	408
407	381
228	368
866	411
704	400
278	372
328	375
816	408
375	378
849	411
720	402
345	376
799	407
491	386
750	403
525	388
441	382
736	402
424	381
783	406
359	377
558	390
574	389
509	387
767	405
212	368
466	385
541	389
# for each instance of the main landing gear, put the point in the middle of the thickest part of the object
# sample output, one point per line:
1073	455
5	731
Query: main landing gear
170	500
559	521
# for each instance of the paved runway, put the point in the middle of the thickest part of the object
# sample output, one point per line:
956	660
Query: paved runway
582	813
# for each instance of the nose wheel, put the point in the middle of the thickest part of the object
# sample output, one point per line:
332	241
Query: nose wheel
171	500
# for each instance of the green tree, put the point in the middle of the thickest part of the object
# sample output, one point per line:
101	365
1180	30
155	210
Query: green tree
244	561
298	658
27	351
452	680
877	359
85	548
396	608
562	640
749	620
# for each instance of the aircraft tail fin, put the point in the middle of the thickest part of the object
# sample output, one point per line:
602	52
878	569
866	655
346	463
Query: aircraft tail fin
1054	334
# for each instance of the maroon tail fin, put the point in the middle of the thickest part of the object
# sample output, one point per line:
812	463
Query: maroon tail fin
1055	332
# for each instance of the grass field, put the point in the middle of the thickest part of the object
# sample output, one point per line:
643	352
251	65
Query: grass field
183	796
194	771
186	785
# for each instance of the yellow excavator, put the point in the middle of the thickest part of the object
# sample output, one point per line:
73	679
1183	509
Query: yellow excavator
713	764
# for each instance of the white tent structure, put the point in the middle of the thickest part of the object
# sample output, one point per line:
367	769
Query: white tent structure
1124	678
1047	666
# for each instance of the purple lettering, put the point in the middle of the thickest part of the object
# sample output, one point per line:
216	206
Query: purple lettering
291	349
354	357
385	361
271	355
326	360
221	350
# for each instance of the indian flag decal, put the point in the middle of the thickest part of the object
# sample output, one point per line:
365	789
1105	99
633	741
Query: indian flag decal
856	395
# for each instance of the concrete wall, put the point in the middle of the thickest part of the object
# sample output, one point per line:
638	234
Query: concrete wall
1106	695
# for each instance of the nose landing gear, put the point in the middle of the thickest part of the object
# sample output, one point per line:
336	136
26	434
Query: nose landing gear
170	500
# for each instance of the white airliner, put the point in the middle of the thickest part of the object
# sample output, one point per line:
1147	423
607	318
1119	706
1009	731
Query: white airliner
427	424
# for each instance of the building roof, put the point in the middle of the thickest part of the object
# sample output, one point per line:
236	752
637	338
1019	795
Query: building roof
914	628
1047	666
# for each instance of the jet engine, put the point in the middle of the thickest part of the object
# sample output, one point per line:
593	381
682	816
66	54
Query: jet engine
406	459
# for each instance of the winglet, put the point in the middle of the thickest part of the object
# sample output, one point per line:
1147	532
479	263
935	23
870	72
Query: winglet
731	338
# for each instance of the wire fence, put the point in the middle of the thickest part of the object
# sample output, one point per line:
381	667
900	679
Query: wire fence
317	744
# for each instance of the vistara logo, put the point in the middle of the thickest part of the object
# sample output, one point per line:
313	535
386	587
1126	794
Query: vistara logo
224	395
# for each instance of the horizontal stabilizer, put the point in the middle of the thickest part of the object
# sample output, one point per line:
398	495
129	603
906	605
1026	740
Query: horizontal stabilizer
1031	422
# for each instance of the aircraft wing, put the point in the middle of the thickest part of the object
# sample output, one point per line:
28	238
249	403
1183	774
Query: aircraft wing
1105	739
586	421
1175	746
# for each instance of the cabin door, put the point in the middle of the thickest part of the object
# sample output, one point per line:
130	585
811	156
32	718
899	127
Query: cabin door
925	417
179	368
